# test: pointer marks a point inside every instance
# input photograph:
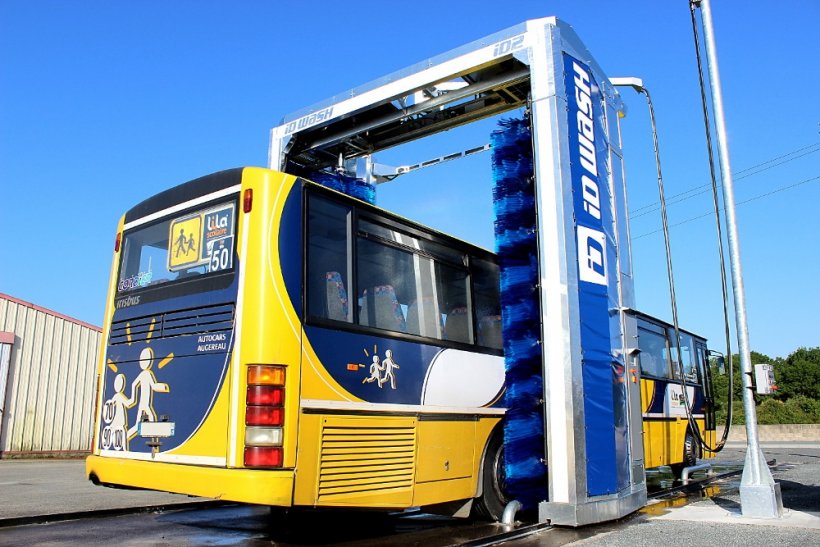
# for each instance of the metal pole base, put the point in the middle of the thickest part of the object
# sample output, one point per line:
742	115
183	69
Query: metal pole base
759	495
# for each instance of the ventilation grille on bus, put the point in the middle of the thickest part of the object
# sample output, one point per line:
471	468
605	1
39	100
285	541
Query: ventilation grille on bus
357	459
175	323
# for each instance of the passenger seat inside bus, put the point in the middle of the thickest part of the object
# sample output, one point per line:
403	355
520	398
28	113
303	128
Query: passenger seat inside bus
337	304
384	309
457	325
489	332
424	319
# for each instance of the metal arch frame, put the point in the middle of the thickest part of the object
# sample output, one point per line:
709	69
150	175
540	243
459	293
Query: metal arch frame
388	112
518	66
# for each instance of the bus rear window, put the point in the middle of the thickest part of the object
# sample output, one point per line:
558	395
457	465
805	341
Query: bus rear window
180	247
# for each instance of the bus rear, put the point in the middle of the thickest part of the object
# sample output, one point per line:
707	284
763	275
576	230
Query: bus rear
175	410
236	366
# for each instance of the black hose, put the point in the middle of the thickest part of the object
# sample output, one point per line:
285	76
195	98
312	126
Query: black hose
693	425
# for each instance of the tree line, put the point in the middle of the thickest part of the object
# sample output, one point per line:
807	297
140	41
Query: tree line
796	400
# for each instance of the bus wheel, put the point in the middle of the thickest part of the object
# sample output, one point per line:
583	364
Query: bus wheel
690	454
490	505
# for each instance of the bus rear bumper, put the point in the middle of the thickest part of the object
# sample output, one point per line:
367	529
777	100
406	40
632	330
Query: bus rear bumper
264	487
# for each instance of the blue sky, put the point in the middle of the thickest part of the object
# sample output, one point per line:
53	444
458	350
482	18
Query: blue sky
105	103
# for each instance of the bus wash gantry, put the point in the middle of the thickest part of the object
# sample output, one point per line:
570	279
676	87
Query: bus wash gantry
592	442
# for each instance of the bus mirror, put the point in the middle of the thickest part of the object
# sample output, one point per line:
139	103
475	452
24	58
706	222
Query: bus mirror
717	361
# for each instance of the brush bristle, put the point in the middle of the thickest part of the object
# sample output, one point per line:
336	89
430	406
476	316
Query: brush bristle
351	186
515	237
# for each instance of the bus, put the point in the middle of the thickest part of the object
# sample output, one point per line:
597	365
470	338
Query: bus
272	341
669	438
269	340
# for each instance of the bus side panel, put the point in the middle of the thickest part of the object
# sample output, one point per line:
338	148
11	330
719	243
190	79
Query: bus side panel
449	448
446	467
658	439
654	430
356	461
710	436
352	366
665	423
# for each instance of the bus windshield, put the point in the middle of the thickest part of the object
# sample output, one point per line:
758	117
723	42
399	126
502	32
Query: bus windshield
183	246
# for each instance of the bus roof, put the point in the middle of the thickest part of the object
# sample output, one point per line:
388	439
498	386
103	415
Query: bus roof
186	191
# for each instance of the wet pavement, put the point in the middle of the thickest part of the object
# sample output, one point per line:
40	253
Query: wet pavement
58	489
713	516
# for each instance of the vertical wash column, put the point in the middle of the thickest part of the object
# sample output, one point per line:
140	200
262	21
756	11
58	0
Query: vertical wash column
588	422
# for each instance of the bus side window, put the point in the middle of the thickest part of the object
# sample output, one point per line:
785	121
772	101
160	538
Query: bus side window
386	284
451	283
327	260
702	362
424	317
653	354
687	348
487	302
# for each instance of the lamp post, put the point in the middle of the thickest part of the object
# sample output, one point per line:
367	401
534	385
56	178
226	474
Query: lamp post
759	494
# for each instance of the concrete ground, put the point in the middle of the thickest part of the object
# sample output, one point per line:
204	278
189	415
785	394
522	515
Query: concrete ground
717	519
35	488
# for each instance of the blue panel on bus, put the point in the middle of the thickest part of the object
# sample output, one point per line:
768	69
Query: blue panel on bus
381	369
174	380
604	397
166	360
290	246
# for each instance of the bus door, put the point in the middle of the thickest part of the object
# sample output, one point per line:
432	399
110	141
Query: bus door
705	374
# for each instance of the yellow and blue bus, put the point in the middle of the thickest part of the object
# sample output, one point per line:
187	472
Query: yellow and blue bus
669	438
271	341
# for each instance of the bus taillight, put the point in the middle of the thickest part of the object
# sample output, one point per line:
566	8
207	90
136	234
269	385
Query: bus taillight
264	416
263	456
265	395
267	375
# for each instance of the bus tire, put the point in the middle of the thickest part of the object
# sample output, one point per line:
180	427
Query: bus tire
490	504
690	454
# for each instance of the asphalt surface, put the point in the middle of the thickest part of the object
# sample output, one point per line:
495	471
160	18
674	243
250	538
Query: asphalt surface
41	491
33	490
714	517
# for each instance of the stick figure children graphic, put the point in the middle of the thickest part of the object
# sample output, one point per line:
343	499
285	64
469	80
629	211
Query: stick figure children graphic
142	390
382	370
388	364
375	372
115	414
